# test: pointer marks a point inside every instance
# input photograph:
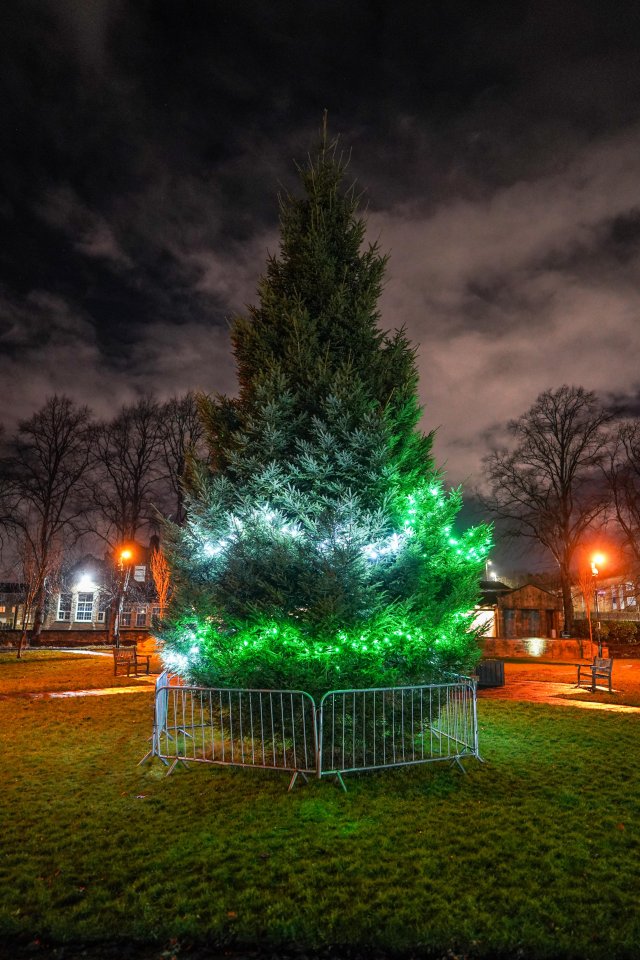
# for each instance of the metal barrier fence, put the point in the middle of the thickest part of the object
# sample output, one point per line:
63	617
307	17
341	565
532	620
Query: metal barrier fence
349	731
396	726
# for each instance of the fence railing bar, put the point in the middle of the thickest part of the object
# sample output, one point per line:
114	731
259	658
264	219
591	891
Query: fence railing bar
253	751
222	736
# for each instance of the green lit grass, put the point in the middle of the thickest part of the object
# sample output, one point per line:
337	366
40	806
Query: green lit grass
538	850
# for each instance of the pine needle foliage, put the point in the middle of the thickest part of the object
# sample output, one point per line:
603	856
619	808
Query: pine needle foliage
319	548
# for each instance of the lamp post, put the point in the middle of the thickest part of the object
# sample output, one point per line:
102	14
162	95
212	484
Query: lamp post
124	573
596	562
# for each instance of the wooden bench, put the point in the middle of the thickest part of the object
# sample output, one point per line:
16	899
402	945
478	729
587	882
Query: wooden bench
128	658
600	669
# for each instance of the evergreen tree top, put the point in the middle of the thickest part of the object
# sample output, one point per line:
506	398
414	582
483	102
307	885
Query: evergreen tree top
314	334
317	308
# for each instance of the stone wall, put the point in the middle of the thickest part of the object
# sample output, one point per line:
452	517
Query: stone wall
539	648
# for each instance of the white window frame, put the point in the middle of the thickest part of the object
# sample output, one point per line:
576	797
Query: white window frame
64	612
141	617
84	606
103	606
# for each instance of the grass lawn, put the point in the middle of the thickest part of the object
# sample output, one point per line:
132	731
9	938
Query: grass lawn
534	854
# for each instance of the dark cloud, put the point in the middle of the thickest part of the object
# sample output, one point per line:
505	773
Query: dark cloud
498	145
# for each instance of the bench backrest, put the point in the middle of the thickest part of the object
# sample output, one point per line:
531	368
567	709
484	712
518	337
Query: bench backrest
124	653
603	663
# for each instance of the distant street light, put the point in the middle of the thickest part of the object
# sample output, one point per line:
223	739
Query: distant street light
597	561
487	564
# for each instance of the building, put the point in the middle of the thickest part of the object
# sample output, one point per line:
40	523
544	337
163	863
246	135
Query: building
528	611
617	598
86	596
11	605
511	614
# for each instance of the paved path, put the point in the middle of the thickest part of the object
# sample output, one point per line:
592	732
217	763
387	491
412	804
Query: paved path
556	694
105	692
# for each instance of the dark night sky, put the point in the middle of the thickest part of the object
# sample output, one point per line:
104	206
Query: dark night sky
143	146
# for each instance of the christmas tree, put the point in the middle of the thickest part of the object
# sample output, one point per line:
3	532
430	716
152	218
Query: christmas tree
319	549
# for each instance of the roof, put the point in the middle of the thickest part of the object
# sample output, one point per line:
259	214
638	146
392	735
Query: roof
490	590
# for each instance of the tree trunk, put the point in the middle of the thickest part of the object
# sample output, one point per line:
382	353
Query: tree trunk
37	624
115	617
22	643
567	600
23	637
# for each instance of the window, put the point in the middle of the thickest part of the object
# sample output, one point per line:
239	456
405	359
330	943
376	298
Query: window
141	617
84	607
3	609
155	613
125	619
140	573
64	606
103	606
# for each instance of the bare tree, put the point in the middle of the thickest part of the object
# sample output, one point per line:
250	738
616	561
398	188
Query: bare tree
38	575
161	577
546	486
182	437
43	470
127	483
128	472
622	472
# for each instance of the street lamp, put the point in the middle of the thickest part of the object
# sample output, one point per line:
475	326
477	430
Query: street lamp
597	561
124	572
487	564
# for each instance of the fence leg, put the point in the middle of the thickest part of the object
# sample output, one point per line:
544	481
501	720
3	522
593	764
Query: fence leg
341	781
295	776
457	761
174	765
150	756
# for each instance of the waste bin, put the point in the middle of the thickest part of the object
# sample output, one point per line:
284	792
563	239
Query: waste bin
490	673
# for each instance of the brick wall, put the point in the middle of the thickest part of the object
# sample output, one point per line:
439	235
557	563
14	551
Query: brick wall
71	638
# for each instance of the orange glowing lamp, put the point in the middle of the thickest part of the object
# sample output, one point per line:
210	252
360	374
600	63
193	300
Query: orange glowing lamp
125	554
597	561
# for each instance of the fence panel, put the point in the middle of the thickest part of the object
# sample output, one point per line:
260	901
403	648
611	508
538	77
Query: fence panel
397	726
272	729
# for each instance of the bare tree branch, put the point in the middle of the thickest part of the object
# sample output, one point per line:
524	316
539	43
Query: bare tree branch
42	475
128	472
546	487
